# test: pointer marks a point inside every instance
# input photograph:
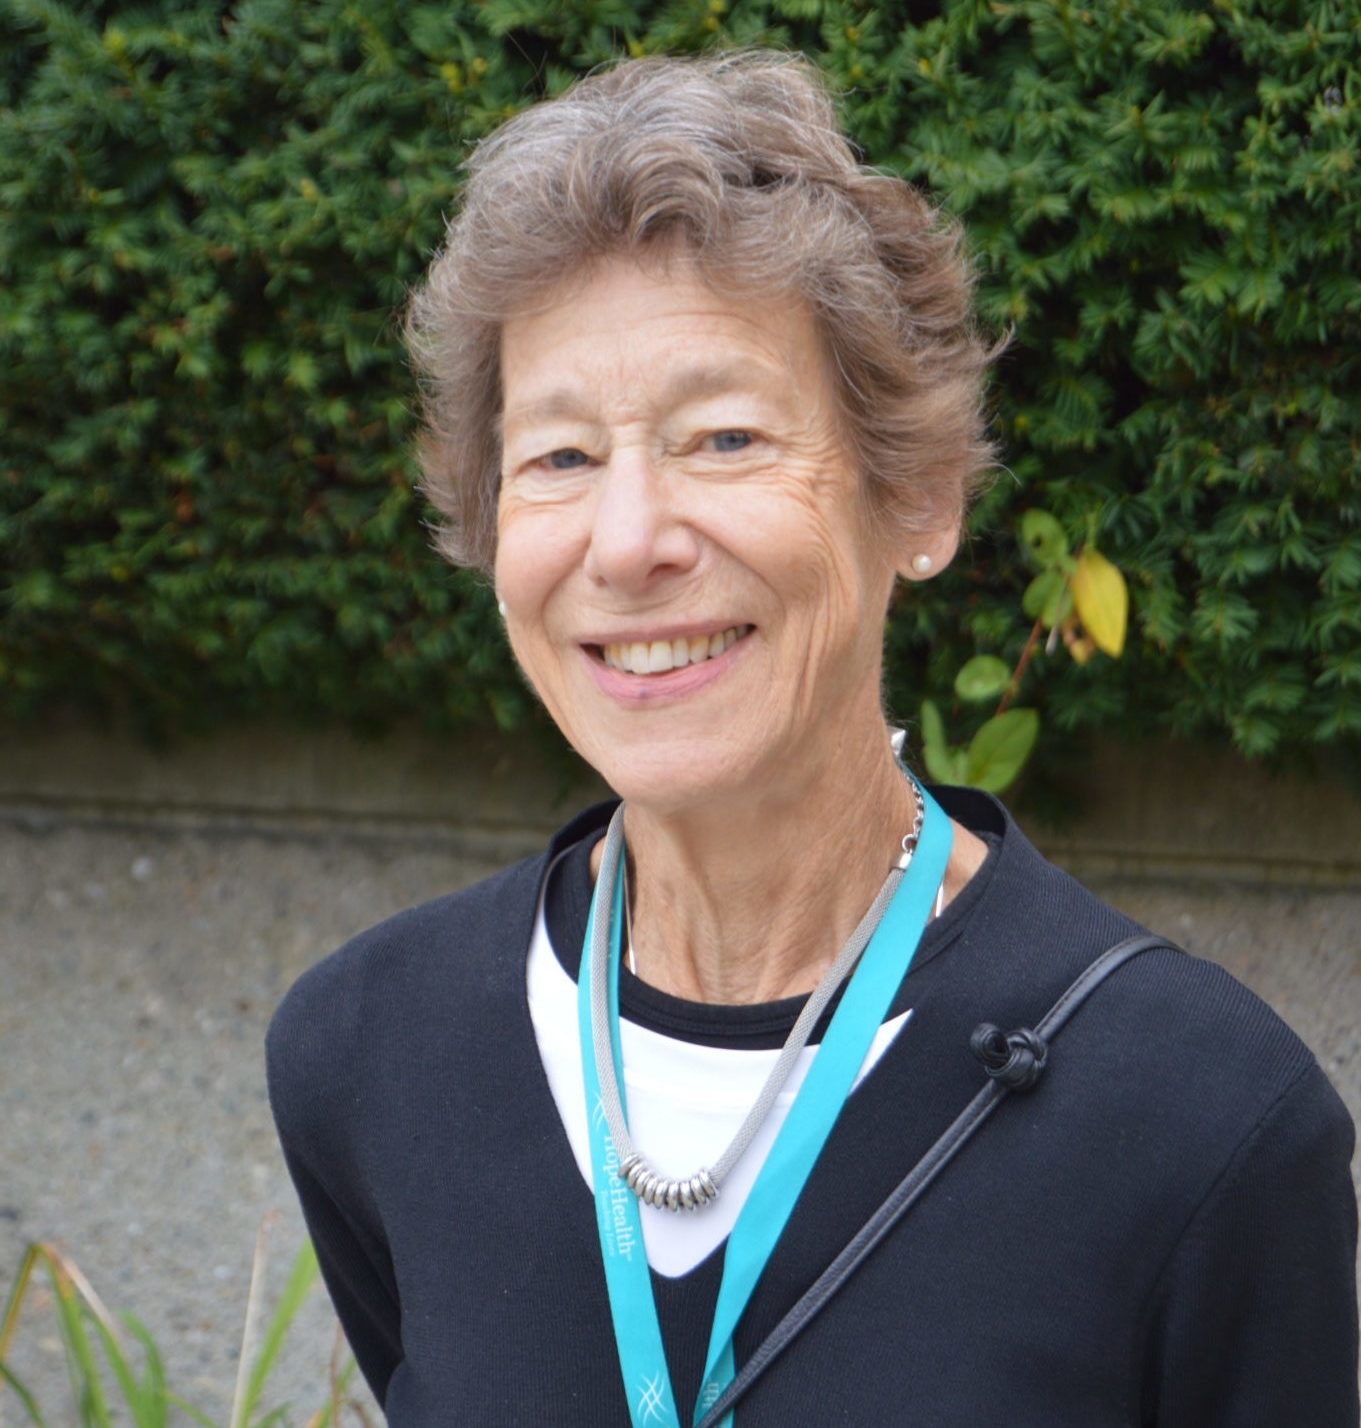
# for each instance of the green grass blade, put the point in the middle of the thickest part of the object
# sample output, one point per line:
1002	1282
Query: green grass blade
254	1291
123	1373
329	1412
84	1370
155	1398
87	1307
341	1369
189	1411
16	1297
7	1375
300	1281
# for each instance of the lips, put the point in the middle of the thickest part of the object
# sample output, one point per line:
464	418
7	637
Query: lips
662	656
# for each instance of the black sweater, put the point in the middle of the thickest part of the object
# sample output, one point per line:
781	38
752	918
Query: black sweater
1162	1232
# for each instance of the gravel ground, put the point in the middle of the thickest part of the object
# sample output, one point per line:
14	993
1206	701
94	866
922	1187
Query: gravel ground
139	967
138	970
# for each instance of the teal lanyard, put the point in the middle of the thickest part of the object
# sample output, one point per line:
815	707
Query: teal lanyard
861	1011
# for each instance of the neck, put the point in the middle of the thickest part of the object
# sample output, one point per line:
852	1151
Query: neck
751	901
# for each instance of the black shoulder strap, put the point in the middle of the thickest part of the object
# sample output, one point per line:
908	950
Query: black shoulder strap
1014	1061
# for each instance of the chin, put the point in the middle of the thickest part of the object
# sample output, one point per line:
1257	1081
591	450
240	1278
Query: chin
670	778
667	793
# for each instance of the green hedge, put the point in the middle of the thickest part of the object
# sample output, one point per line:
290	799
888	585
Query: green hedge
210	214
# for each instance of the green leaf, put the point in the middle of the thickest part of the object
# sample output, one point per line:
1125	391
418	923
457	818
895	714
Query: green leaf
933	726
936	753
303	370
982	678
1042	538
999	750
1048	597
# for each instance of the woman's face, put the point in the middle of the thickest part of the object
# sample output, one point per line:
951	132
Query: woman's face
690	581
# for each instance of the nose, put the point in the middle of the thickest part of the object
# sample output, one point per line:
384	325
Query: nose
638	537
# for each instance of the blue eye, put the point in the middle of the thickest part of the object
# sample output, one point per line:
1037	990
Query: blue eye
731	440
566	458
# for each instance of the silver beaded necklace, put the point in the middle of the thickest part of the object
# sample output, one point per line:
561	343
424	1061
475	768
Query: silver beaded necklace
695	1191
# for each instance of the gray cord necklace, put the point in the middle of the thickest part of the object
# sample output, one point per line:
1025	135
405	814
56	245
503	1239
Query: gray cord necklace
695	1191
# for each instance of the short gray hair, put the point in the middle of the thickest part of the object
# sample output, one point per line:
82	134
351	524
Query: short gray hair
737	159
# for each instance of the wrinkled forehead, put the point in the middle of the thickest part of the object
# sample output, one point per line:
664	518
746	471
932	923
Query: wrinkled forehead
658	334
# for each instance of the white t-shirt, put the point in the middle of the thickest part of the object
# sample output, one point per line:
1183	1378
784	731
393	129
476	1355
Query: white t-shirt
685	1104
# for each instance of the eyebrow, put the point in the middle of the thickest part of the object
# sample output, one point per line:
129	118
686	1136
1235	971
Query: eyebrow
690	384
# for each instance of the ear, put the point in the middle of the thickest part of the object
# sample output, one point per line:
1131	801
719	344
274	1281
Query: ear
927	553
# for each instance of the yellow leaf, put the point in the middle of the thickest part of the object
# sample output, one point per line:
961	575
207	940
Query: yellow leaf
1102	601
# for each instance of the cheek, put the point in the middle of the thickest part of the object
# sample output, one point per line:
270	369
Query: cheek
807	537
531	559
835	588
523	573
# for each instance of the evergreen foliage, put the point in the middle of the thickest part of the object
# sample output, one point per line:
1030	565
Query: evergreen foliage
210	215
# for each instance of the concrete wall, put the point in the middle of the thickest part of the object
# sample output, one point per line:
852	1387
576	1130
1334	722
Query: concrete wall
154	907
1162	809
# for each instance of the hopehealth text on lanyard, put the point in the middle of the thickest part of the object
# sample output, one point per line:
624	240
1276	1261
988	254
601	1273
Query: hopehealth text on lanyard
864	1003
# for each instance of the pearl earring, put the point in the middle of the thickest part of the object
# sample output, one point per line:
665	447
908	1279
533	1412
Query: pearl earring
921	564
501	608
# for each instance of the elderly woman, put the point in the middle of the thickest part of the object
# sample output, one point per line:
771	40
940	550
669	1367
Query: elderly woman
635	1131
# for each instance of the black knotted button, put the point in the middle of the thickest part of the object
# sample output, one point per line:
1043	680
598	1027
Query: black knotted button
1015	1058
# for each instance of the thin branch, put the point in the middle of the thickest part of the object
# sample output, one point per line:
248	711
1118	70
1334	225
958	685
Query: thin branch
1032	639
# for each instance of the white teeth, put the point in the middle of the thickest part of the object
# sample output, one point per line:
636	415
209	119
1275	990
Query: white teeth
659	656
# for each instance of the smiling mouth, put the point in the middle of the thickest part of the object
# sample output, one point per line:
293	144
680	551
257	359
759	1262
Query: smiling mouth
662	656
